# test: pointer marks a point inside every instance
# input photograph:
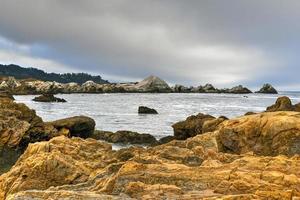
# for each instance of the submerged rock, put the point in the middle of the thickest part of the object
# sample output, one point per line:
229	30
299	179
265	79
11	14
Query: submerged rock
125	137
78	126
267	89
48	98
146	110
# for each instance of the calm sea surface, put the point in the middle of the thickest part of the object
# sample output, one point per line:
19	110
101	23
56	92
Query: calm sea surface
114	112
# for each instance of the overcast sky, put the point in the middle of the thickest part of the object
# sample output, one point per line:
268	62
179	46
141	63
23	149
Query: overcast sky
189	42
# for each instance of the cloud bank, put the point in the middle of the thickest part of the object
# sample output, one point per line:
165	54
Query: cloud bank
189	42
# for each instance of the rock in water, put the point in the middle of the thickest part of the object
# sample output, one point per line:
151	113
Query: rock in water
125	137
267	89
79	126
48	98
146	110
239	90
153	84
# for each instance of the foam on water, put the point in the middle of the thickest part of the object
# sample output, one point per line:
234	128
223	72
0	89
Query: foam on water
114	112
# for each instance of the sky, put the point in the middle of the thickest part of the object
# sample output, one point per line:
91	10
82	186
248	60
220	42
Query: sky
190	42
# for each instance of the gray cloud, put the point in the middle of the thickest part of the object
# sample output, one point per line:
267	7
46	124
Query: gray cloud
190	42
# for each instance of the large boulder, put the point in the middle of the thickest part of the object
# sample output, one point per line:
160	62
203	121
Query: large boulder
146	110
48	98
191	126
19	126
267	89
152	84
78	126
283	104
125	137
269	134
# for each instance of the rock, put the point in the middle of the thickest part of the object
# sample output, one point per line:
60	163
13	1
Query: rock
146	110
125	137
239	90
19	126
91	87
282	104
208	88
166	139
268	134
9	84
192	169
5	94
212	125
48	98
191	126
79	126
152	84
267	89
250	113
181	89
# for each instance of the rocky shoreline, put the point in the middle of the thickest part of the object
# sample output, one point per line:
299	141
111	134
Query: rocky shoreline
151	84
256	156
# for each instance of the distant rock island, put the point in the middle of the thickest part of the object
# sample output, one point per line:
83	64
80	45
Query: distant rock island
18	80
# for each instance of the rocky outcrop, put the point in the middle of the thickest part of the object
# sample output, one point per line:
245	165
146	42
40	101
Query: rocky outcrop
48	98
78	126
196	168
268	134
267	89
283	104
152	84
146	110
238	90
6	94
191	126
125	137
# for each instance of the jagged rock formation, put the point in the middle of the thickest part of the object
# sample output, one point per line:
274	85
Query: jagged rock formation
267	89
48	98
238	90
199	167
